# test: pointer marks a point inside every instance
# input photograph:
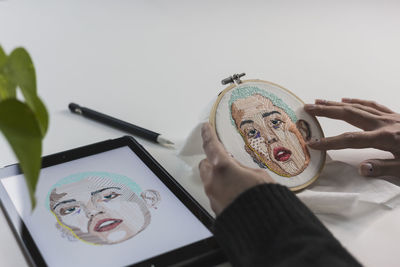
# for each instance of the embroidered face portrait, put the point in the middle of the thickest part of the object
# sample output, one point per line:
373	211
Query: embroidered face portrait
101	210
268	128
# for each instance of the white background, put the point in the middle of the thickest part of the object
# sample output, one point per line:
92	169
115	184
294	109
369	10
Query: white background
158	63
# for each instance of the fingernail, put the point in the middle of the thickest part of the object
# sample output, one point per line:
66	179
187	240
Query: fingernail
366	169
320	101
205	133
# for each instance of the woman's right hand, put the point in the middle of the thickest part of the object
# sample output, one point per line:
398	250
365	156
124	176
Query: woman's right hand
381	130
224	178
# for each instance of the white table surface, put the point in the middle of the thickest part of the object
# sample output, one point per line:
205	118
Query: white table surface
158	63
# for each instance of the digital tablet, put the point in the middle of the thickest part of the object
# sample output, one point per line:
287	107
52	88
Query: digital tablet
107	204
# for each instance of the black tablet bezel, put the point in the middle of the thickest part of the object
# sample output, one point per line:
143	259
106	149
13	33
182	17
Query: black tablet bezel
202	253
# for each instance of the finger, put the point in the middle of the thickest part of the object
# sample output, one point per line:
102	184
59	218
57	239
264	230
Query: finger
205	169
368	103
371	139
213	148
355	105
380	167
356	117
214	206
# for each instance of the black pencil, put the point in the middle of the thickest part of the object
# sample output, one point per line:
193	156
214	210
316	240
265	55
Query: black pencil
119	124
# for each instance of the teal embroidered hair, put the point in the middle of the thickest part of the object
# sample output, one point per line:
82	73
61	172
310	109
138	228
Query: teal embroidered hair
246	91
120	179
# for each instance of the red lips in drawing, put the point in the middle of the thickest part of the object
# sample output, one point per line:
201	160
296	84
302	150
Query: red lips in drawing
282	154
107	224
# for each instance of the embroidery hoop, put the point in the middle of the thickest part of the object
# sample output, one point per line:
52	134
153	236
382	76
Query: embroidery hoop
317	160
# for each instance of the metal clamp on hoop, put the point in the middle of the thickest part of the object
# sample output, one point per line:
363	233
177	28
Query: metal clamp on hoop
235	78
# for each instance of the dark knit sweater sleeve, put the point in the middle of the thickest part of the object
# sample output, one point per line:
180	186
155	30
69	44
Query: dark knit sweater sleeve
269	226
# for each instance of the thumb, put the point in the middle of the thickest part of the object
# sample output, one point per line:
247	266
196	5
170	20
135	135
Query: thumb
380	167
213	148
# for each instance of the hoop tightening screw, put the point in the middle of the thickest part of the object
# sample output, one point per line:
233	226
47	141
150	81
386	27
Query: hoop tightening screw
235	78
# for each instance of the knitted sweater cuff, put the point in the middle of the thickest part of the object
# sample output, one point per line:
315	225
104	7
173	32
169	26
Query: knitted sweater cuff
258	216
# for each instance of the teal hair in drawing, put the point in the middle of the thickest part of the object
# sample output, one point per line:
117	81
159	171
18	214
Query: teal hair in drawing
246	91
116	178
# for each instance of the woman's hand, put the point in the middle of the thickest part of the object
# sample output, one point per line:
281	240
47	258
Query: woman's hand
223	177
381	130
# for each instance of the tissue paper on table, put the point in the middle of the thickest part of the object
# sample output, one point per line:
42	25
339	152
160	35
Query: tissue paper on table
345	201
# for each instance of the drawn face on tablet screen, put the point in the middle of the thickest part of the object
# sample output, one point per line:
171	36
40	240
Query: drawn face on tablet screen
271	136
99	210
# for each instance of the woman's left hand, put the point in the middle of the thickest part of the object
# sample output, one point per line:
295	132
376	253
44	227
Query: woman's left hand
381	130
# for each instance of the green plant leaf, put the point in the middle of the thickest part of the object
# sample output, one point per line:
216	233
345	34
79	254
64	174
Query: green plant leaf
3	59
21	72
3	87
41	113
21	129
7	88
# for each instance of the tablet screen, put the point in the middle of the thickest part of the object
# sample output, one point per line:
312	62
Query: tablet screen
107	209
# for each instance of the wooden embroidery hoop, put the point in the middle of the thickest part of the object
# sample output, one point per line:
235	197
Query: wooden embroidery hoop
235	82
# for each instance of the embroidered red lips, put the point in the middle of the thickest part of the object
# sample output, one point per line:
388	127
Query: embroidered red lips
282	154
107	224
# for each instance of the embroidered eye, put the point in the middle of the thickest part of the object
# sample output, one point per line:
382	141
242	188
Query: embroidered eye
253	133
110	196
70	210
276	123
